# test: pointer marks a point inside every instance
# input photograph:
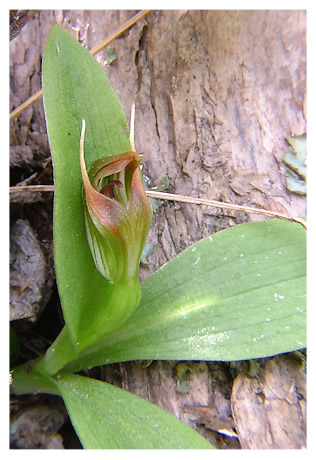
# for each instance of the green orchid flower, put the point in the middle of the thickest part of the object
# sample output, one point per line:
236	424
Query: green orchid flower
118	217
117	212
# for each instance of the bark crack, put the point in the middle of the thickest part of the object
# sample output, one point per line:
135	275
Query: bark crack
142	48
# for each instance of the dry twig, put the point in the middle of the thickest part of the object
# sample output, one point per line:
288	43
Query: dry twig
183	199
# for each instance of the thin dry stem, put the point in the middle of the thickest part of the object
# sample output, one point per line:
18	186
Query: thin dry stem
132	127
120	30
183	199
16	112
32	188
223	205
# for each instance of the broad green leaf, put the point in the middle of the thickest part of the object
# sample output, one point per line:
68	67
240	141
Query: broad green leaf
239	294
75	87
107	417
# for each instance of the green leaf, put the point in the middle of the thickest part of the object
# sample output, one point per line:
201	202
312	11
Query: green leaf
75	87
294	183
296	156
239	294
296	161
25	379
107	417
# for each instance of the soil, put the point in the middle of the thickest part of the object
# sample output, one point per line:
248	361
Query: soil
217	94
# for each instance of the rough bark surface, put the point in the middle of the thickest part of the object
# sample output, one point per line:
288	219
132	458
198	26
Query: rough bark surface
269	409
217	93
